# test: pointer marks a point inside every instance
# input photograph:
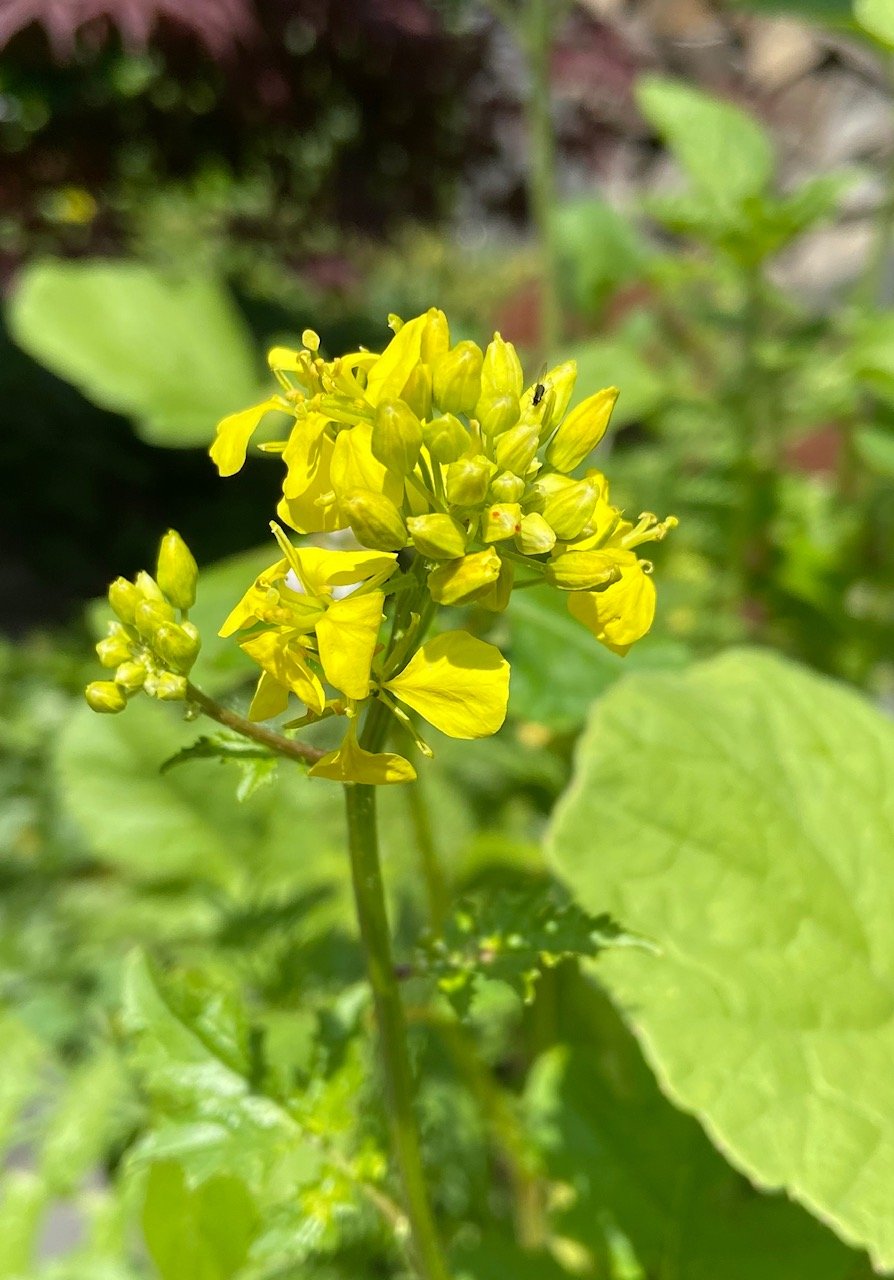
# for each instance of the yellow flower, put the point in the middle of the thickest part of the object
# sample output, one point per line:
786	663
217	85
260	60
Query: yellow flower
351	763
457	683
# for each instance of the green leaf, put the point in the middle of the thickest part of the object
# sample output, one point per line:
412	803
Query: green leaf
740	814
558	667
876	17
871	356
598	250
170	351
875	447
197	1234
725	153
644	1181
256	763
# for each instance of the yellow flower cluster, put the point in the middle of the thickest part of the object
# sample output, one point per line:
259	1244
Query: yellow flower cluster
452	477
149	646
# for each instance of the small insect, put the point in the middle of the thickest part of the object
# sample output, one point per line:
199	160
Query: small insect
540	388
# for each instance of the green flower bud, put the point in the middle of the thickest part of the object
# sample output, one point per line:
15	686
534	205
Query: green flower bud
501	521
177	572
115	648
166	686
105	696
457	378
374	519
149	616
147	587
130	676
516	449
460	581
467	480
177	645
553	393
417	391
396	436
496	597
583	570
435	337
568	509
446	438
582	430
437	536
507	488
501	373
497	415
124	597
535	536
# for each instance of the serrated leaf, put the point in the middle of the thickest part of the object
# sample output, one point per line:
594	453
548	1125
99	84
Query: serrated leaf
741	815
170	351
256	763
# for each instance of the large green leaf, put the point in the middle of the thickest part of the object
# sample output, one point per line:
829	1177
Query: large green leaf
170	351
742	816
599	250
726	154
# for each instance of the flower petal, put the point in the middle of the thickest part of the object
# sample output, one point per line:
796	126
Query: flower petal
319	568
389	374
271	698
283	656
459	684
347	634
246	611
306	454
354	467
233	434
350	763
620	614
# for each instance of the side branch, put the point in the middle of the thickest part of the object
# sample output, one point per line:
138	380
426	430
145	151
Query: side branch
298	751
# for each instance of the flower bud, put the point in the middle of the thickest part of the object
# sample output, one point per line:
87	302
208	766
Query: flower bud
515	450
557	387
166	686
147	587
177	571
467	480
416	391
568	509
460	581
507	488
177	645
457	378
583	570
435	337
535	536
501	373
446	438
115	647
374	519
124	598
396	436
150	614
497	415
500	521
582	430
105	696
437	536
130	676
496	597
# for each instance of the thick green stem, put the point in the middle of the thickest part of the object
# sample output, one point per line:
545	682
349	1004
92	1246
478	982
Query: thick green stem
537	36
369	896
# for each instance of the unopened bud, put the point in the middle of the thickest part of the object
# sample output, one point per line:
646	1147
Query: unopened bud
177	572
582	430
124	597
105	696
552	394
497	415
149	616
166	686
467	480
507	487
435	337
437	536
115	647
501	373
446	438
177	645
501	521
374	519
516	449
396	436
457	378
568	509
147	586
496	597
416	391
583	570
130	676
460	581
535	536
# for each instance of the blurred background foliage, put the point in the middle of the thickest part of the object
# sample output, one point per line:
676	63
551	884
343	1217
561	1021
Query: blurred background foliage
707	221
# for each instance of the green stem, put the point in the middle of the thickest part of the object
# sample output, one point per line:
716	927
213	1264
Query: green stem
298	751
537	37
432	872
369	896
